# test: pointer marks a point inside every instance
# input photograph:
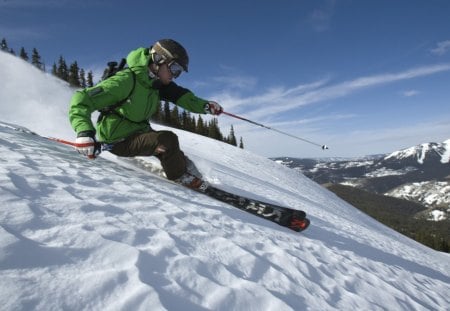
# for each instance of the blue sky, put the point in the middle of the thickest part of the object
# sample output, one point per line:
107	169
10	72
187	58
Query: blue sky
361	76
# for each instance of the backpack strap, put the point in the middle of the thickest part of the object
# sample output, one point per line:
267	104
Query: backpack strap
112	108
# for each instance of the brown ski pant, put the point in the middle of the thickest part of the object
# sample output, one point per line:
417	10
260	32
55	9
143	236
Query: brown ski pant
162	144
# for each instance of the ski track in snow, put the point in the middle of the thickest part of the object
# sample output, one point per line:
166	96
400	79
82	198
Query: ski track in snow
106	235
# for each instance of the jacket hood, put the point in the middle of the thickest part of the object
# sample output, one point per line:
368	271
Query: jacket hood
137	61
138	58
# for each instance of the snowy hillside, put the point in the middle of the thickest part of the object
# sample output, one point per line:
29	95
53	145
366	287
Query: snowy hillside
428	193
96	235
106	235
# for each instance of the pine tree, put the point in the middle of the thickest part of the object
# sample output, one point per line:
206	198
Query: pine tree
185	121
188	121
36	60
175	118
158	114
23	55
54	70
241	144
74	74
213	130
231	138
62	72
194	125
167	114
4	45
201	128
82	80
90	79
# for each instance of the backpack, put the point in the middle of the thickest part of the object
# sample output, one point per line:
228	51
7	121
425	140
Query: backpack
112	68
110	71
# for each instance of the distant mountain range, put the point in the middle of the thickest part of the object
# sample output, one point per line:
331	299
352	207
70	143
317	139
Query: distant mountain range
420	174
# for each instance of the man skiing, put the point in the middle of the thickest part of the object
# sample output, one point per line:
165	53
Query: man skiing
127	101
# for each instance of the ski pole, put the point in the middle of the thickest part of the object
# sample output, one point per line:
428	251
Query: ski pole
70	143
273	129
76	145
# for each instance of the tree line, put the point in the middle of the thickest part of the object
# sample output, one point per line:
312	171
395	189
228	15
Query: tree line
167	114
73	74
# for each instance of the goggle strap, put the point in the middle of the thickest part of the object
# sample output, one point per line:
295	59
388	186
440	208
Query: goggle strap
160	50
158	58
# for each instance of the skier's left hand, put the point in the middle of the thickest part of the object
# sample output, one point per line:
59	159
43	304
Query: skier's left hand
87	145
213	108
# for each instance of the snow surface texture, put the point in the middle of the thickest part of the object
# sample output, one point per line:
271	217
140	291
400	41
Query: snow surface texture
106	235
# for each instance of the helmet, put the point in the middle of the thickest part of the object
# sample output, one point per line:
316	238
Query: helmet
166	50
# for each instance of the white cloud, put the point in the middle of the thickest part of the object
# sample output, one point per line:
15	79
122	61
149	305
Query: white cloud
276	108
410	93
320	18
280	100
342	143
395	138
236	82
442	48
305	121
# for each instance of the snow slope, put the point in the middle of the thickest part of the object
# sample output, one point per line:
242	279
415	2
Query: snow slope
107	235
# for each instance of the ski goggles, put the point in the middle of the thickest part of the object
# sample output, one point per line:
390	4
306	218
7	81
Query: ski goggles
175	68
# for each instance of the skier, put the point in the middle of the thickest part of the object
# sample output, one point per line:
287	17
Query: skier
127	101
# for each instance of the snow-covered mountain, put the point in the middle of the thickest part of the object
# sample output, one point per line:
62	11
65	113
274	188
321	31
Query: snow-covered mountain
420	173
428	193
108	235
429	152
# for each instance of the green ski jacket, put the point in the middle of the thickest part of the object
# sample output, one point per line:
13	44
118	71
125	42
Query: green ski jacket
134	115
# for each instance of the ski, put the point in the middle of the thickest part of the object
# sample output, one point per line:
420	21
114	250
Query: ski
284	216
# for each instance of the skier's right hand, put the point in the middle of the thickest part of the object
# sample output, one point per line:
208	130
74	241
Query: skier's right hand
87	145
213	108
